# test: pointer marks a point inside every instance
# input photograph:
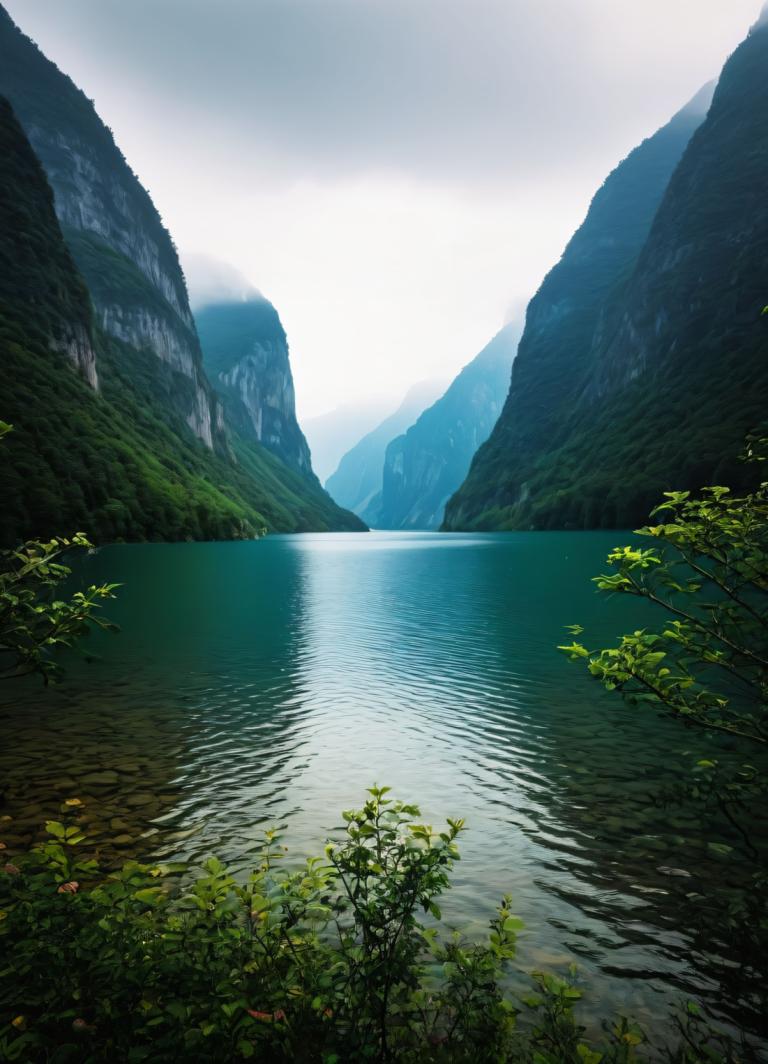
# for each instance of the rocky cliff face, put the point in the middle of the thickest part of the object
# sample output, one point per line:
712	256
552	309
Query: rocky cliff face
246	356
40	282
425	466
357	482
108	220
77	345
571	316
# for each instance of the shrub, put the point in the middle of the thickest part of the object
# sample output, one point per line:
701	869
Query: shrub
331	961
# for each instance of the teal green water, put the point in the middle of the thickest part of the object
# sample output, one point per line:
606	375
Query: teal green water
273	681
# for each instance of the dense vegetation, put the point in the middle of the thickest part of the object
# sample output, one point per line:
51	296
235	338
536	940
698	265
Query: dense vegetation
228	331
649	376
115	281
113	464
121	248
607	468
39	279
425	466
329	961
564	317
123	464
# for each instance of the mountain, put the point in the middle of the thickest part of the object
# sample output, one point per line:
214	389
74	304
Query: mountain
135	445
112	461
40	282
425	466
331	435
245	354
358	479
110	224
642	362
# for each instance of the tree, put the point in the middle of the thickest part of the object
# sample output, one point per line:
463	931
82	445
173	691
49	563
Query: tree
708	572
706	663
34	620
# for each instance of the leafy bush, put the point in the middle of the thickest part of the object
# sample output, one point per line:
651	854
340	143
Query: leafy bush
330	961
34	622
708	572
706	664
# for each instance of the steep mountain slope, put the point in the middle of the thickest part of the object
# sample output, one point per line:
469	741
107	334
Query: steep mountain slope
357	481
39	282
113	230
570	318
425	466
112	462
245	353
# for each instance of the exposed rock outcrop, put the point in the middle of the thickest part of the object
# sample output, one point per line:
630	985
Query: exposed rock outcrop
246	356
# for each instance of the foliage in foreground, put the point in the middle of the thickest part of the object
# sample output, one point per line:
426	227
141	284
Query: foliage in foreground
329	962
709	573
706	664
34	621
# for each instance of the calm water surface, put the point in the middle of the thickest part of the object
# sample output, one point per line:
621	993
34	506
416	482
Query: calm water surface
273	681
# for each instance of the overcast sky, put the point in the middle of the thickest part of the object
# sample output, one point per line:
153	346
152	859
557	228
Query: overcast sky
395	175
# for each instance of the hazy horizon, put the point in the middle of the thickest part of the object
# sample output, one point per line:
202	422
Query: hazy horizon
395	178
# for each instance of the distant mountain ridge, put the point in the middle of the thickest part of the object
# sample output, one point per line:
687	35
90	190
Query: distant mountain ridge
643	360
357	482
332	434
424	466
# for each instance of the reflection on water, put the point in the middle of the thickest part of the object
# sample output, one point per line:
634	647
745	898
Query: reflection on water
255	683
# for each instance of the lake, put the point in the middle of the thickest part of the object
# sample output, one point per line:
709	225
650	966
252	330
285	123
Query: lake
271	682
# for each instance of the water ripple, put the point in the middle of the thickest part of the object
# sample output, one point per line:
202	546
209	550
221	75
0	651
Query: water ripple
271	682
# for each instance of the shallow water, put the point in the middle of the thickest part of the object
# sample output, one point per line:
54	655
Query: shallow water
273	681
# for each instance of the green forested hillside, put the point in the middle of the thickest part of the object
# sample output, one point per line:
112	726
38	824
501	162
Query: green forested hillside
572	312
111	465
38	276
672	373
152	455
228	331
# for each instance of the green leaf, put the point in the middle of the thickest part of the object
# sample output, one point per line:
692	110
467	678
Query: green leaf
150	895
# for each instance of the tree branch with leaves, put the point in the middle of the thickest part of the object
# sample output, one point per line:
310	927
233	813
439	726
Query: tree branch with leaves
708	573
35	619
